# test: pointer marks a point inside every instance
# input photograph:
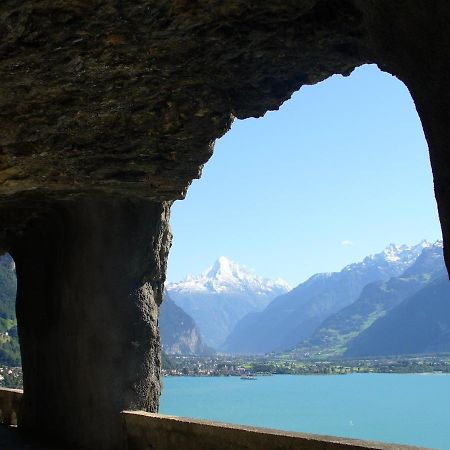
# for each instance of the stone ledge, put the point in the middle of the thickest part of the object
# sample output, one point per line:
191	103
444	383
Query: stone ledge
160	432
9	405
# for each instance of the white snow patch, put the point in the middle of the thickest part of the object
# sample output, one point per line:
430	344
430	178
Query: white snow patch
227	276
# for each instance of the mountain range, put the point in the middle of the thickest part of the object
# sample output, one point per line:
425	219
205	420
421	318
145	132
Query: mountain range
396	302
219	297
294	316
332	337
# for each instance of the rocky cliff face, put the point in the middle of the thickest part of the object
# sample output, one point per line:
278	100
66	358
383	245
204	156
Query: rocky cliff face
129	97
179	333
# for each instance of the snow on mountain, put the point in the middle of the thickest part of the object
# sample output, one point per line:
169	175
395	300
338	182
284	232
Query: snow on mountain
227	277
397	257
294	316
222	295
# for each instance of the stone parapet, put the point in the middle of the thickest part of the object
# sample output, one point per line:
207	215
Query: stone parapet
159	432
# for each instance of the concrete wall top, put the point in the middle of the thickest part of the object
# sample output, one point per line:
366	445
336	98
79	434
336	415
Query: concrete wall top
160	432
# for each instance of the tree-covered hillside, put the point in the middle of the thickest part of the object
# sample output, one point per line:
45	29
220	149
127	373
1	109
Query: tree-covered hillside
420	324
9	341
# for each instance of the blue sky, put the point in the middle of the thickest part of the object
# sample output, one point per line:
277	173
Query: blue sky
340	171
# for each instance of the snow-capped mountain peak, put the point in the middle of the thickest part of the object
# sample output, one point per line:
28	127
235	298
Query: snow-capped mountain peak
226	270
397	257
394	252
402	255
227	276
222	295
438	244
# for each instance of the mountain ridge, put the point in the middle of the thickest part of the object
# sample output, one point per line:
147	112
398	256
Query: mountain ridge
418	325
333	335
293	317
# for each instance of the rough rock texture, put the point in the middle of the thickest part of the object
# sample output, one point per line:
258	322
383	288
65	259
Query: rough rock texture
124	99
128	96
87	310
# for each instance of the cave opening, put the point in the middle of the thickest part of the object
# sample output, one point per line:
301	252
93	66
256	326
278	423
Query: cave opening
338	173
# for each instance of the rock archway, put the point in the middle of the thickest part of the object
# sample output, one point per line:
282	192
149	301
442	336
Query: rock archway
108	110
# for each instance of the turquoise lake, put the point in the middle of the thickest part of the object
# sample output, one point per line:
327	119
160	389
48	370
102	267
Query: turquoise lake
406	409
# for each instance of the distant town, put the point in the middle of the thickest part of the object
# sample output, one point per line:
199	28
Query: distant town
239	366
176	365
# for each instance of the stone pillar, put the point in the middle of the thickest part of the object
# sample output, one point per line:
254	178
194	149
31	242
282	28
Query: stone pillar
90	281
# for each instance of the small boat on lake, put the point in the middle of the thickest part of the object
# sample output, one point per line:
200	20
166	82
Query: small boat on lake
248	377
